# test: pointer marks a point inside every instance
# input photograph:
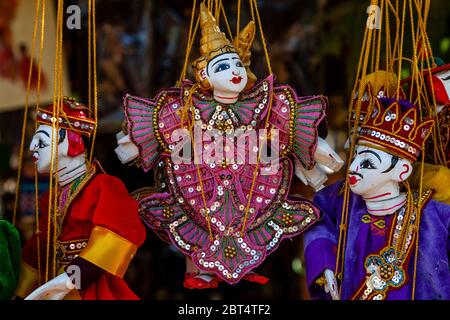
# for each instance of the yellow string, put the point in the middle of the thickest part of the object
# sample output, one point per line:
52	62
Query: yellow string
53	146
53	204
36	181
230	34
357	82
217	11
263	40
60	107
400	53
252	10
238	21
191	35
94	65
414	63
422	169
25	114
397	30
255	172
188	104
340	256
89	54
436	133
377	61
41	47
388	38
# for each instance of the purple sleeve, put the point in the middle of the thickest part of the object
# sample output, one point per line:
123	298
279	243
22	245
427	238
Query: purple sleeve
321	240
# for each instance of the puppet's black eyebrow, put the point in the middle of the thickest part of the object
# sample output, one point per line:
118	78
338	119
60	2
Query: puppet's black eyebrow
42	131
372	152
446	78
218	61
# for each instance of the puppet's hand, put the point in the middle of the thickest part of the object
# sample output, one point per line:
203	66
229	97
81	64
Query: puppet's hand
327	162
327	158
331	284
55	289
314	177
126	150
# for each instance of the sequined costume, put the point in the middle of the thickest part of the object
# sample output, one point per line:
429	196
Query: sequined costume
178	215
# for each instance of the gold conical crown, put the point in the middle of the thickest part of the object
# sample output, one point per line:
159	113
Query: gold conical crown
213	40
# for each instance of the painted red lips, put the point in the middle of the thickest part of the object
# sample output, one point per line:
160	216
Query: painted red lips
352	180
236	80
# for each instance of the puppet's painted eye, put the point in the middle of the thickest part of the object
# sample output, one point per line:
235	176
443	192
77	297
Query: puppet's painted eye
42	144
222	67
367	164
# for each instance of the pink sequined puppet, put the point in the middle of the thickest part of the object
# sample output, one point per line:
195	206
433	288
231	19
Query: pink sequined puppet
227	210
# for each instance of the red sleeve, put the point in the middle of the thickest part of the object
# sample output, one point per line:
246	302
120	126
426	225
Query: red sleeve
117	211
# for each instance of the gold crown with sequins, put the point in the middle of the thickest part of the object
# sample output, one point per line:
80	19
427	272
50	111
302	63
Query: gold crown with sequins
398	132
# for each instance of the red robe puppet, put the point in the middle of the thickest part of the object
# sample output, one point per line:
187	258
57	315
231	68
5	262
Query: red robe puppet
97	230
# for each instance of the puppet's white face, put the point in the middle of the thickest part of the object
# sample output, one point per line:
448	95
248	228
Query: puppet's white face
373	172
444	77
226	74
41	147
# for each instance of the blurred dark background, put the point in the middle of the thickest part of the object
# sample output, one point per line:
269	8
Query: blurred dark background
314	46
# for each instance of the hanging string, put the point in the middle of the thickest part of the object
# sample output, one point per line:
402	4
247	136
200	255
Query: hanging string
252	10
436	133
89	54
269	109
397	31
55	114
378	48
238	21
217	11
340	255
400	53
355	86
95	89
191	36
188	106
222	9
56	213
388	38
36	180
263	39
25	113
416	255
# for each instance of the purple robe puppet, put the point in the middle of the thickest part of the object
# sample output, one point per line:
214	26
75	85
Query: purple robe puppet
366	235
381	259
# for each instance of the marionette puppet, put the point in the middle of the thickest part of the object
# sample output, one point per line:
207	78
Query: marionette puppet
95	225
9	259
225	212
397	241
